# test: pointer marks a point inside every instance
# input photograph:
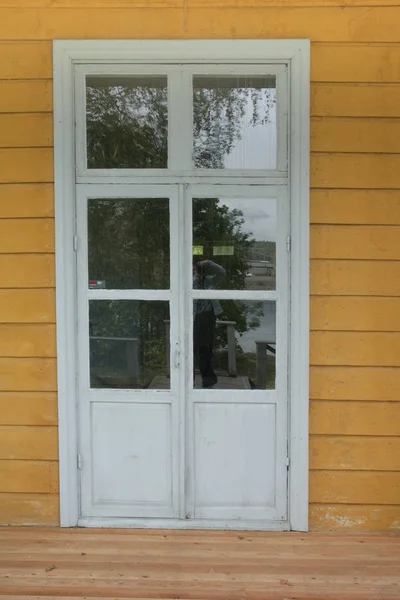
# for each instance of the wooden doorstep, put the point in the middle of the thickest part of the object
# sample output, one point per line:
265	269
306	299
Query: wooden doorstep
196	565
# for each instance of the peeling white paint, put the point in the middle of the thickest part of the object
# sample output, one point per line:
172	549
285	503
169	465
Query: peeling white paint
347	522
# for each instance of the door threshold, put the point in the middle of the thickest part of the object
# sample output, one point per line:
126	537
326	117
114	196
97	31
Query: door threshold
126	523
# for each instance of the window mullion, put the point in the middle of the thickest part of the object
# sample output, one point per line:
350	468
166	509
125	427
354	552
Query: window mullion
180	125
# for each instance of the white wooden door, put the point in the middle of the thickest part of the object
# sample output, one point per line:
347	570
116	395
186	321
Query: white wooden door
129	348
158	437
237	427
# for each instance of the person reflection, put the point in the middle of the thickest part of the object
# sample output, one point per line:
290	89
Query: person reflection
206	275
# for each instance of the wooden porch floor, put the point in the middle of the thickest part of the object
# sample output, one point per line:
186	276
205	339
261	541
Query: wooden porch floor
84	563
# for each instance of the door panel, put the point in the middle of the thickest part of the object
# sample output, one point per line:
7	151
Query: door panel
234	460
130	441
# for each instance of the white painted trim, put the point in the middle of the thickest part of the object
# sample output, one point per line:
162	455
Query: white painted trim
64	169
297	54
115	176
265	295
181	51
195	524
129	294
300	273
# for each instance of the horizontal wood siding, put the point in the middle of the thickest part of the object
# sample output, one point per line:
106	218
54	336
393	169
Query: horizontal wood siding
29	476
28	408
28	384
28	442
328	417
29	509
355	237
320	24
26	130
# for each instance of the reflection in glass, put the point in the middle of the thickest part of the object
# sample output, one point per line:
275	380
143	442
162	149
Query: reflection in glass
128	243
128	344
127	122
234	344
234	122
238	234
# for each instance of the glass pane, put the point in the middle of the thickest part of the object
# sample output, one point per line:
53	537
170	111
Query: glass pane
129	344
128	243
127	122
234	344
234	244
234	122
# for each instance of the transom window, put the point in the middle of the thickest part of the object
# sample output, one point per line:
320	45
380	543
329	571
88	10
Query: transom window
225	121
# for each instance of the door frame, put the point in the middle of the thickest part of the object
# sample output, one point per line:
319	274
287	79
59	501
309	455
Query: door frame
296	54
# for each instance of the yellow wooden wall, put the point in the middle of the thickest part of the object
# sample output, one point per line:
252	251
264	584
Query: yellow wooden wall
355	237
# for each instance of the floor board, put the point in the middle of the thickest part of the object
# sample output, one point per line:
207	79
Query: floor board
196	565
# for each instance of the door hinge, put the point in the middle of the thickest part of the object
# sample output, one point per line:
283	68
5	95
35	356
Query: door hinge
288	243
287	462
79	463
75	242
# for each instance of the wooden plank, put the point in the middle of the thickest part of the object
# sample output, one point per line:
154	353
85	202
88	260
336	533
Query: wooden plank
355	100
325	24
28	476
21	200
355	278
353	418
27	270
380	171
355	63
162	550
29	509
26	235
192	3
26	165
28	340
41	541
27	306
354	487
28	408
28	374
355	383
26	96
142	546
28	443
25	60
372	349
354	453
357	207
341	313
26	130
371	519
367	585
192	581
354	135
371	242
